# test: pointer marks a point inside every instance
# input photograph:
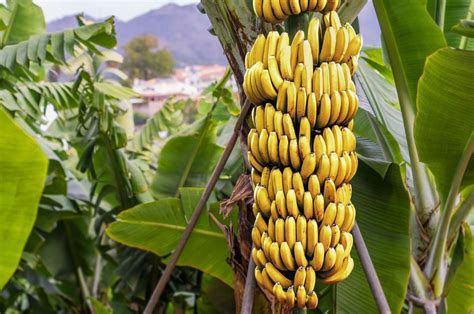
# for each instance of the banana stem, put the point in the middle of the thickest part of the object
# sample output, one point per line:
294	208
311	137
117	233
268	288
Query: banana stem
370	272
296	23
197	212
460	215
435	266
440	13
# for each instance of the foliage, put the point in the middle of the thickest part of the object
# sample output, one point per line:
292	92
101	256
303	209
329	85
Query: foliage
145	60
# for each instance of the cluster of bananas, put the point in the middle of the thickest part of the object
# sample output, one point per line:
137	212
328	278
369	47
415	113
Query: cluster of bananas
276	11
302	152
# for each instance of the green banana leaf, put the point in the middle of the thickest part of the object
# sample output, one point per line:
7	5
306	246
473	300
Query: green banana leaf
187	159
23	19
410	35
461	296
383	213
445	111
158	226
23	168
215	297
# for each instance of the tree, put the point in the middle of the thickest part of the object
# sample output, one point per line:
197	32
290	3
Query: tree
145	60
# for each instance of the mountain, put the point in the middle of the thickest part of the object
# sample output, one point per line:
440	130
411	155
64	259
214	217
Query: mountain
184	31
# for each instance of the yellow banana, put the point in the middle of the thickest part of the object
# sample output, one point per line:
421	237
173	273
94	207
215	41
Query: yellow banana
258	8
277	276
283	151
308	205
263	280
308	166
259	119
341	171
354	164
329	45
253	162
254	209
274	70
301	103
349	214
323	168
300	276
285	63
333	79
258	48
304	4
277	180
318	257
291	203
319	147
335	107
324	112
294	155
283	41
280	202
314	186
287	257
330	214
268	14
335	234
299	75
353	63
281	98
262	260
290	293
342	43
329	140
305	56
278	10
269	114
298	186
338	265
305	128
345	106
325	236
300	257
351	225
304	146
263	145
343	84
353	105
331	5
347	242
278	123
353	48
287	179
265	177
295	7
271	228
320	6
256	235
267	85
254	257
280	230
312	109
253	145
285	6
312	301
260	223
318	206
291	95
313	233
297	39
346	269
275	256
338	142
326	78
312	5
273	153
279	293
301	231
290	231
318	87
329	260
255	176
310	281
348	140
263	200
313	38
329	192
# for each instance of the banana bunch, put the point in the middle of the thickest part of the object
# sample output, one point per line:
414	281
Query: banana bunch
303	153
276	11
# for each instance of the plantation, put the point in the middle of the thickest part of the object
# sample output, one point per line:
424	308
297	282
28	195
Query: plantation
333	178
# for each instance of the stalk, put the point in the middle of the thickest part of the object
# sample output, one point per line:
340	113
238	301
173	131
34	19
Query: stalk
464	39
440	13
460	215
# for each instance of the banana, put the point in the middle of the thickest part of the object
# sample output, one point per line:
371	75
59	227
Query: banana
277	178
256	82
258	48
304	146
338	265
324	112
301	231
308	205
279	293
310	281
290	231
297	39
254	209
353	63
335	107
318	257
273	148
330	214
323	168
345	107
262	260
294	155
292	204
319	147
326	78
269	114
300	257
283	41
277	276
263	145
325	236
329	192
256	235
312	301
253	145
254	257
335	234
287	257
265	176
312	109
290	293
342	44
281	97
343	84
318	206
320	6
298	186
341	171
285	6
333	80
338	141
278	10
318	87
346	269
271	228
299	75
283	150
291	96
278	123
314	186
313	38
353	106
287	180
255	176
348	140
285	63
305	56
295	7
275	256
253	162
354	164
301	297
329	260
263	280
258	8
263	201
259	119
347	242
280	203
313	233
288	127
260	223
308	166
279	230
328	137
301	103
304	4
305	128
331	5
267	85
277	79
274	211
312	5
300	276
268	14
266	242
353	48
329	45
352	213
270	47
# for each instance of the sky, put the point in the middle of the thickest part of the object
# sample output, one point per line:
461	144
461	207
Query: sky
122	9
